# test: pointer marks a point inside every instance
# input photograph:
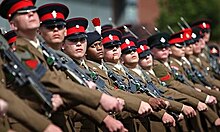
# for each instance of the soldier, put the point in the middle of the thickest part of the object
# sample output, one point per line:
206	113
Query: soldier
18	110
112	54
177	46
160	49
25	21
205	29
178	52
14	102
96	49
200	63
205	25
53	31
75	42
130	60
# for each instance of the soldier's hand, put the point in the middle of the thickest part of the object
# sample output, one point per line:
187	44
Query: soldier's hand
188	111
157	104
217	122
215	88
91	84
168	120
144	108
3	107
181	117
114	125
110	103
57	101
121	103
52	128
211	100
202	106
197	89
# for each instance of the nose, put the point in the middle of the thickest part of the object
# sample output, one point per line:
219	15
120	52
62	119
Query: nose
115	48
78	43
55	29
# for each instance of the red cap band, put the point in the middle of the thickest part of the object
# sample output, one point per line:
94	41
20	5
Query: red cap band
50	16
176	40
204	25
19	5
74	30
124	45
142	48
110	39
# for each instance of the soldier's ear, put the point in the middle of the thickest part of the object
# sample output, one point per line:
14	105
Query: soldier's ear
13	25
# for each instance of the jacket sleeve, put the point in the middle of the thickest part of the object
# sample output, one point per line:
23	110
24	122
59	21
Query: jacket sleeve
21	112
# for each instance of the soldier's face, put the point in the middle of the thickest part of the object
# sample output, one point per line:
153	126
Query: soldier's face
25	22
207	36
178	52
53	35
196	48
112	54
161	54
76	49
95	51
130	58
189	49
202	43
146	62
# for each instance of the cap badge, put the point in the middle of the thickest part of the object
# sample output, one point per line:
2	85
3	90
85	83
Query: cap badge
127	41
77	26
162	40
181	35
187	35
142	47
193	35
204	24
54	14
214	50
110	37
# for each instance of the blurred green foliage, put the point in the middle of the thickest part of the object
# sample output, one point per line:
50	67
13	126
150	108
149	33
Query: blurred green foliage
190	10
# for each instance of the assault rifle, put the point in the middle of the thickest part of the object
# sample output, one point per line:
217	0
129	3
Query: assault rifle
62	62
180	77
150	89
200	76
141	86
191	76
117	80
21	76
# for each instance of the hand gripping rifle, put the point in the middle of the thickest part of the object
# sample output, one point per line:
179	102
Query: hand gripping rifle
21	76
150	89
62	62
